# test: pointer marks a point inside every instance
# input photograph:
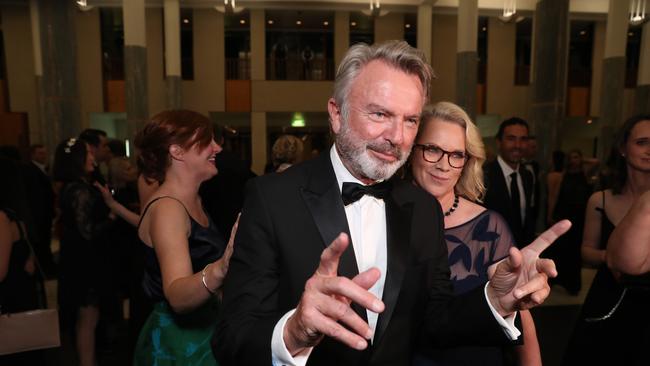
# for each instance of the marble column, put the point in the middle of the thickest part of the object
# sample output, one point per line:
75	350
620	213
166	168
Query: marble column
173	77
642	100
45	135
466	56
341	35
613	75
548	87
135	65
59	86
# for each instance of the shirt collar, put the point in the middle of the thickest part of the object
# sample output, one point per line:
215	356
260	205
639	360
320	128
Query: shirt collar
507	170
39	165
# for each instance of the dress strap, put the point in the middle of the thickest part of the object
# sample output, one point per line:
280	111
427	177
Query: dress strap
156	199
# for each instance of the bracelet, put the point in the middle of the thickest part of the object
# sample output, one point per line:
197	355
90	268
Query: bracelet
203	280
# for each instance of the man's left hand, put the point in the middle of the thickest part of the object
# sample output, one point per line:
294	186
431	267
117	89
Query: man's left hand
520	281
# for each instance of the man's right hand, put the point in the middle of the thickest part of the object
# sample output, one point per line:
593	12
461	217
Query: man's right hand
325	304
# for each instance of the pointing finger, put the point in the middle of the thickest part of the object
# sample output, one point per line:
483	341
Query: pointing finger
329	259
549	236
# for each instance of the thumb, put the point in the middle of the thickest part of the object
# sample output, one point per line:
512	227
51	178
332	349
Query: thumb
367	278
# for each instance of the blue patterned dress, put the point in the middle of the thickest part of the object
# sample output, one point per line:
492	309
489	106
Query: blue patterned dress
472	247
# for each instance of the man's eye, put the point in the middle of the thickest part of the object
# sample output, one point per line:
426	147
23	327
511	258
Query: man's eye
414	121
378	115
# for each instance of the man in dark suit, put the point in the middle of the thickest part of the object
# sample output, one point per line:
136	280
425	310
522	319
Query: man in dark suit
319	245
509	184
41	204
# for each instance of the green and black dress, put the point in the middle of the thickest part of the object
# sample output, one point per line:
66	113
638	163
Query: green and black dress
168	338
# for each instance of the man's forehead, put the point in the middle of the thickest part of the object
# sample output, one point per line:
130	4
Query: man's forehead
515	130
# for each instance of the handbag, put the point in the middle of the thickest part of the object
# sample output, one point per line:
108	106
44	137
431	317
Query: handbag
29	330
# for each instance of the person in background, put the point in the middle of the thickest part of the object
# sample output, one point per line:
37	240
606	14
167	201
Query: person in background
223	194
569	191
613	320
447	161
41	205
186	257
20	282
97	141
286	151
509	186
82	268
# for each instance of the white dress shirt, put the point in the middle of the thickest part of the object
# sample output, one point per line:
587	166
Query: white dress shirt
507	170
367	222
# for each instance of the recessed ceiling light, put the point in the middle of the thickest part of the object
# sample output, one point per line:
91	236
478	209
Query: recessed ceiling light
242	21
630	34
484	29
407	25
582	32
185	20
298	22
354	24
326	23
270	21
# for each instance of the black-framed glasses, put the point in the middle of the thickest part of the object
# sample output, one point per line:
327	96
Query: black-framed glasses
433	154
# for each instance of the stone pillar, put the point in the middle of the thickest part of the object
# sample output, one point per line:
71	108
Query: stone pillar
258	142
341	35
425	27
548	88
258	45
467	57
135	65
642	101
173	77
59	83
613	76
45	135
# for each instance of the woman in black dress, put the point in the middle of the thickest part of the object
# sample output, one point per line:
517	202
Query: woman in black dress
84	222
613	319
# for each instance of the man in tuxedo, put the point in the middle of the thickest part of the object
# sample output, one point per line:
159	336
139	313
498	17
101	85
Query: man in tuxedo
334	264
509	184
41	204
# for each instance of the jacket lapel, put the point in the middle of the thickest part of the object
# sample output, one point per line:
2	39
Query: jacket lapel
398	221
323	199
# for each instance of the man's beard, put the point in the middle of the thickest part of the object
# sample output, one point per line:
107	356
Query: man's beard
354	152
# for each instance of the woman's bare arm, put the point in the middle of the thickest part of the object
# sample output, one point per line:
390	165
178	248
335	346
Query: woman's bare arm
592	255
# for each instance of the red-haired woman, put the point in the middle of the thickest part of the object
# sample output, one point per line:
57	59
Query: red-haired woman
186	257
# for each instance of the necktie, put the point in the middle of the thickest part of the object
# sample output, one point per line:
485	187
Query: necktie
514	198
352	192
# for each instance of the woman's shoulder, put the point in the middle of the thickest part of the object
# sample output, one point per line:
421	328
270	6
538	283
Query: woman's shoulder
598	198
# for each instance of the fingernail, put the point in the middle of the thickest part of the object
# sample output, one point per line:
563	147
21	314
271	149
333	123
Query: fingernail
369	334
361	345
517	294
377	306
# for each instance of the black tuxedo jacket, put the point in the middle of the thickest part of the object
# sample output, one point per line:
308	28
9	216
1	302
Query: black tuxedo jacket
287	221
497	198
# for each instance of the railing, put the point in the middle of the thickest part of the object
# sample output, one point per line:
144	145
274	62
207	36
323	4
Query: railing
238	69
295	68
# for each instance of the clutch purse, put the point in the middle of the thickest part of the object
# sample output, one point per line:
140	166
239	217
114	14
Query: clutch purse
29	330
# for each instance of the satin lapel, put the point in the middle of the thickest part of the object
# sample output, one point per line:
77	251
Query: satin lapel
323	199
398	241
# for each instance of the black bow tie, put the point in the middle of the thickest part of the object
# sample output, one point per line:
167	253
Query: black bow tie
352	192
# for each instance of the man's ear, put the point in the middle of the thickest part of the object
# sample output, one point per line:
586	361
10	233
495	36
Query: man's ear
335	115
176	152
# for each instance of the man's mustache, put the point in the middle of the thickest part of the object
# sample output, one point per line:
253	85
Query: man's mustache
385	148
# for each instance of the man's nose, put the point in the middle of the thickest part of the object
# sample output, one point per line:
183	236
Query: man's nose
395	133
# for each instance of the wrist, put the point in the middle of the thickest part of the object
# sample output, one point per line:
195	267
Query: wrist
204	279
290	341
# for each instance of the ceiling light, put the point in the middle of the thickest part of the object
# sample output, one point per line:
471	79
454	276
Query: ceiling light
298	22
270	21
582	32
185	20
637	12
407	25
354	24
326	23
242	21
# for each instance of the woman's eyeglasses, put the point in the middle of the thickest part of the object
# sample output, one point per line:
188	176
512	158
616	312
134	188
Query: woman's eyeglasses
434	154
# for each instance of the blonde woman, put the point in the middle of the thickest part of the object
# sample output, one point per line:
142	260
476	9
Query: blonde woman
446	161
